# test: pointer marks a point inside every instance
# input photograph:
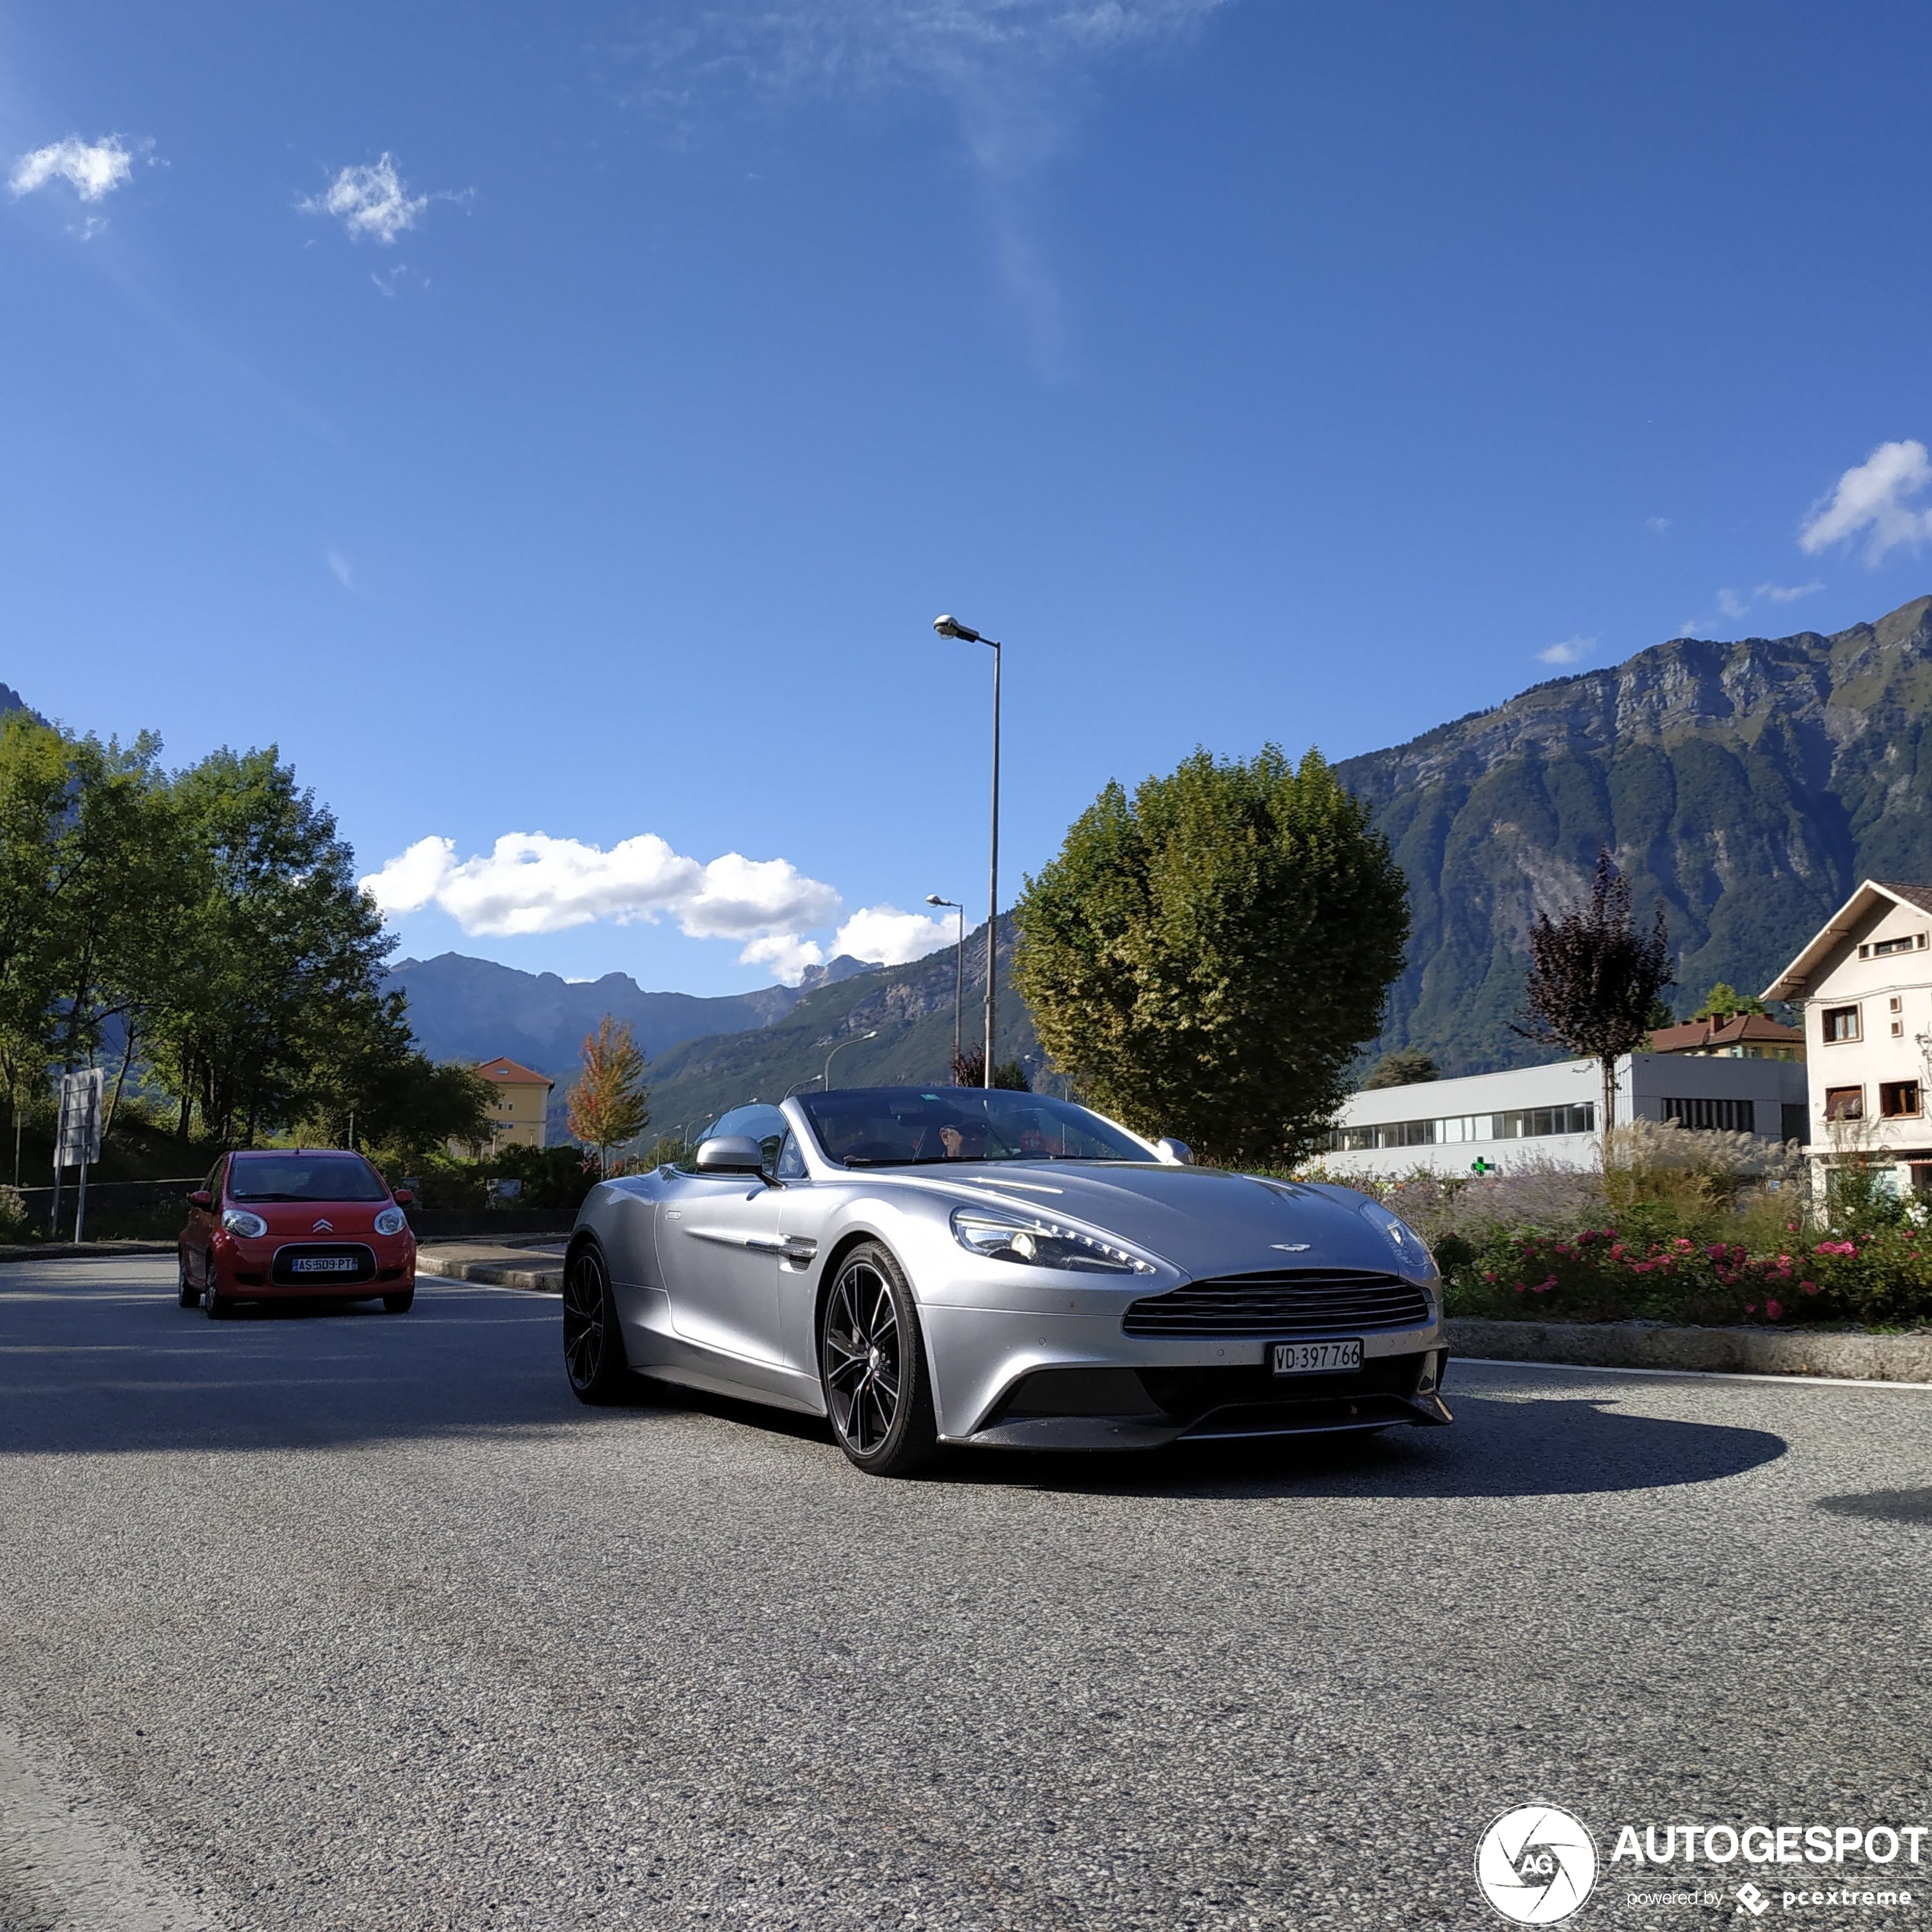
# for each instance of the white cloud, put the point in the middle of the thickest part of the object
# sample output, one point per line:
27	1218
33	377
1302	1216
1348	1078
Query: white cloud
1572	650
530	882
1657	525
93	169
369	201
344	574
892	937
785	953
1731	605
1785	593
1872	498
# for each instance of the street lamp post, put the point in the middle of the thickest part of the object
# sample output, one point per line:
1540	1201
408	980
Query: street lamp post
948	627
840	1048
958	970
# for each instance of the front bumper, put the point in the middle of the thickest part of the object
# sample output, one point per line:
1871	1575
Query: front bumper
1077	1382
247	1270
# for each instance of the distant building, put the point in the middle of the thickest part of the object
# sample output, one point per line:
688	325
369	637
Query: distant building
1548	1114
1744	1036
1865	982
522	1110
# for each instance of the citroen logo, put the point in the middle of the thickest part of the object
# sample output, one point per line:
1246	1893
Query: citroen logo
323	1227
1291	1247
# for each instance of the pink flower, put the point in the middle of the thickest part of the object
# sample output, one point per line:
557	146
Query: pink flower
1616	1252
1810	1288
1774	1309
1750	1307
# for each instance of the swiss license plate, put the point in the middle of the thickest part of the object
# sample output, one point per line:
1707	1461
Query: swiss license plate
330	1264
1313	1357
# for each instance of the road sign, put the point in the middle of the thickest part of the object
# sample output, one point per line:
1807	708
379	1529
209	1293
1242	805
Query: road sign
79	1143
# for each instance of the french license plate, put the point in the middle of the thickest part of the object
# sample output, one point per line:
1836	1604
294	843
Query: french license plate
324	1264
1313	1357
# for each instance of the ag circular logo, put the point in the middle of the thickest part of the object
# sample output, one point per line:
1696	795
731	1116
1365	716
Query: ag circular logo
1536	1864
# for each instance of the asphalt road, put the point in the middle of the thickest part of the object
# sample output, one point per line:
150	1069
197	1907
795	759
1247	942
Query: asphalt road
356	1621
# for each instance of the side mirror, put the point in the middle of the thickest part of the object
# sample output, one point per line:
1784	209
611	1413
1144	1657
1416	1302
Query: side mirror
731	1153
1176	1153
201	1198
403	1196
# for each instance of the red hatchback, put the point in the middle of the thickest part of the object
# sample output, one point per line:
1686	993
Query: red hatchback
273	1224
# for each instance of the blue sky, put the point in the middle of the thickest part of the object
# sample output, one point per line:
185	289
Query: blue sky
561	425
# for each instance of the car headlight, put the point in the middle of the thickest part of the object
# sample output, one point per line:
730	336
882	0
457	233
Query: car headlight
239	1221
1041	1243
1401	1237
391	1220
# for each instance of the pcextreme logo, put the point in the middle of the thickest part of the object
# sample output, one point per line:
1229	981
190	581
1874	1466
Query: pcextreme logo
1536	1864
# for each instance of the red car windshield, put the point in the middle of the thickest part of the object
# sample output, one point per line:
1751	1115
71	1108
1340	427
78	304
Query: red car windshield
304	1178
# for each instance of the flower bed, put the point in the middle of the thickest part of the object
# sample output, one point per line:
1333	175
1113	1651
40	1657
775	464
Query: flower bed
1883	1279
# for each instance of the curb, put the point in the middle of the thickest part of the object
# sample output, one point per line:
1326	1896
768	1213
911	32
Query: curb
490	1274
82	1251
1844	1354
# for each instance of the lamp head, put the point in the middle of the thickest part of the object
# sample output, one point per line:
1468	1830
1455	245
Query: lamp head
950	627
933	899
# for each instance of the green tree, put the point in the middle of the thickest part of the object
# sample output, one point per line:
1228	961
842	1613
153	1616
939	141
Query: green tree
276	981
610	1103
1206	958
1402	1066
1724	1002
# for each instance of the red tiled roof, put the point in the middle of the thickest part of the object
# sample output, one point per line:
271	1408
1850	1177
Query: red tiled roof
1698	1036
508	1072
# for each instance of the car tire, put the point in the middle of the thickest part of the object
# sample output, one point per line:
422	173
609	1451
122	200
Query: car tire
215	1305
871	1367
593	1346
398	1304
189	1295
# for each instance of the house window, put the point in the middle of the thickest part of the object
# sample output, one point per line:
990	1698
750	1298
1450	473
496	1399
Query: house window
1840	1023
1885	948
1896	1005
1897	1099
1845	1103
1728	1115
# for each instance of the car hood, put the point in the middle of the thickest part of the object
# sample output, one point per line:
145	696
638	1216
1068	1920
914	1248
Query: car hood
1201	1221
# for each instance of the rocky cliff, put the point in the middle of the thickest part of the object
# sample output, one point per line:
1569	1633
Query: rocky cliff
1746	787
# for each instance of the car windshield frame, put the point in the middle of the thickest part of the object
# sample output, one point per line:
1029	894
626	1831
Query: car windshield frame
850	1126
330	1165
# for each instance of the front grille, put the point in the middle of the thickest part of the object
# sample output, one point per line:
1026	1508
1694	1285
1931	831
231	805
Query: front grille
1284	1302
284	1273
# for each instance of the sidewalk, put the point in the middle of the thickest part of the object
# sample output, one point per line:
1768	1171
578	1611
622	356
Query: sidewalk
535	1262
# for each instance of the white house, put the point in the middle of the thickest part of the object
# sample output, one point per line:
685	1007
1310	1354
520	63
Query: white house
1865	983
1548	1114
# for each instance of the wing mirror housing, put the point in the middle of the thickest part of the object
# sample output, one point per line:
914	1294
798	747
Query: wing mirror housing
201	1198
730	1153
403	1196
1176	1153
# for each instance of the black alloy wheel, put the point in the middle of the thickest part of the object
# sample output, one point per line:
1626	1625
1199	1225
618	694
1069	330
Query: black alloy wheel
873	1367
189	1295
215	1304
593	1349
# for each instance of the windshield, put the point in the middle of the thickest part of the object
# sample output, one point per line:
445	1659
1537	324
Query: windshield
905	1127
304	1178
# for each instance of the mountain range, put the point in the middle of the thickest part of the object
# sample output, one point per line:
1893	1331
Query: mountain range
1746	788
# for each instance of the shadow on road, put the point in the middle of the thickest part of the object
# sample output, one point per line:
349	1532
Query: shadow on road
91	1368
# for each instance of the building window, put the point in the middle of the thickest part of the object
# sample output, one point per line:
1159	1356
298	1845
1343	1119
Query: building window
1520	1123
1895	1004
1897	1099
1845	1103
1840	1023
1724	1116
1885	948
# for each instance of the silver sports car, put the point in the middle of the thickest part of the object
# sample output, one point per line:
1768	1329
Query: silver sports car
953	1265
